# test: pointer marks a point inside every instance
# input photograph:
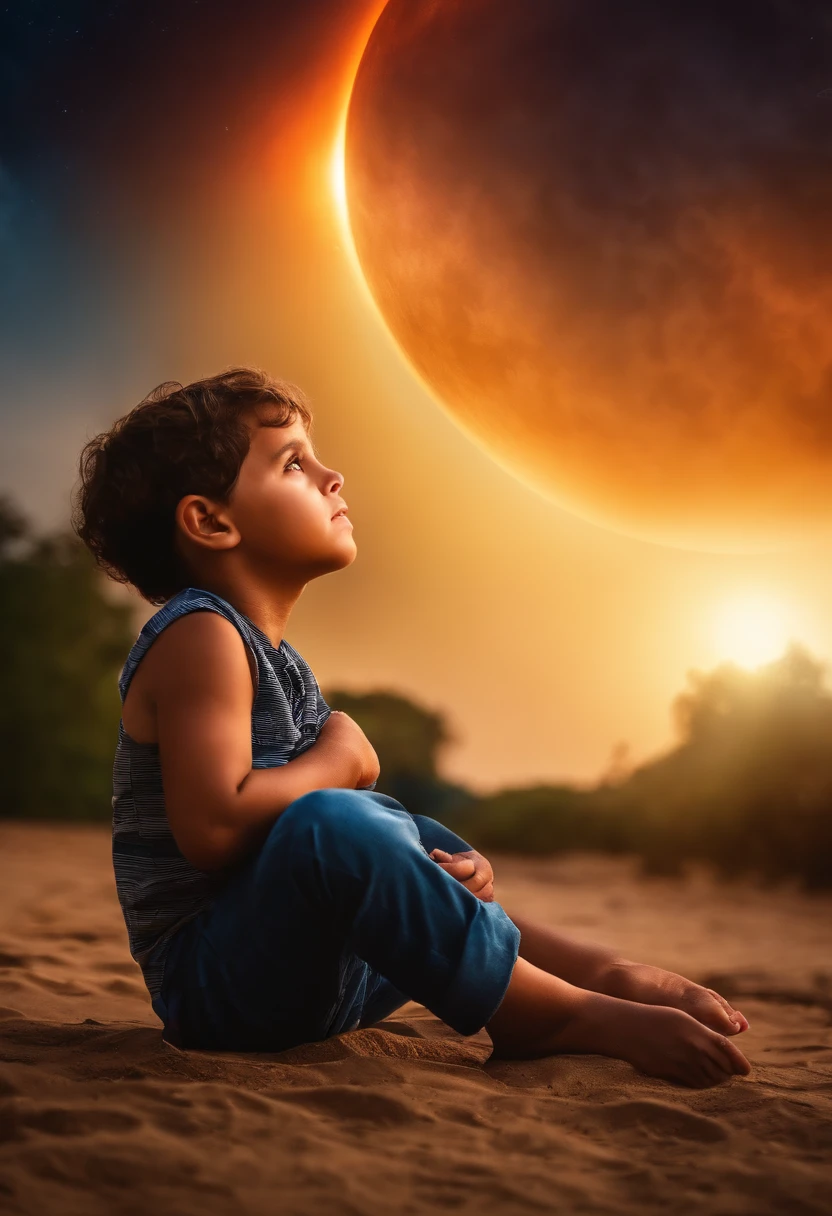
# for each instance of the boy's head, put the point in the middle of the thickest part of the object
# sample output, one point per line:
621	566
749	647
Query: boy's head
193	485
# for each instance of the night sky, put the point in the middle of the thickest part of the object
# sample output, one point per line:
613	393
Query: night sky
120	124
167	210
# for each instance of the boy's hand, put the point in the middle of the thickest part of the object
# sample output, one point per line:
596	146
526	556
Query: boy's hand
471	869
344	731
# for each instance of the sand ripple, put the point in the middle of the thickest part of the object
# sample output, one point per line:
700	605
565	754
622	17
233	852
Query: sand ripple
99	1116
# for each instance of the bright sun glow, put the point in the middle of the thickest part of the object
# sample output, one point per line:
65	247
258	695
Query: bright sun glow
752	629
336	169
338	175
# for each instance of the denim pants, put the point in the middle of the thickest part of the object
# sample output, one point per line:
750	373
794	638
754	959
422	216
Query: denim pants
340	918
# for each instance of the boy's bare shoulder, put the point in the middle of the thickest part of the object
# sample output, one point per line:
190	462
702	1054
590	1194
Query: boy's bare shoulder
201	645
196	654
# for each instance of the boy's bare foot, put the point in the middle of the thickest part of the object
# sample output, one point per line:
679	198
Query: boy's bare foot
542	1015
654	986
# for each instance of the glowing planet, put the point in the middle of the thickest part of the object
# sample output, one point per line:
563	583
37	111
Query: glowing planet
600	233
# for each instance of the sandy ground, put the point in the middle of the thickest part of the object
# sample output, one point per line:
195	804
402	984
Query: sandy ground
98	1115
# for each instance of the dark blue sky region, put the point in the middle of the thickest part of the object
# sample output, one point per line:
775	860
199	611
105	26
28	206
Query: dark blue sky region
116	122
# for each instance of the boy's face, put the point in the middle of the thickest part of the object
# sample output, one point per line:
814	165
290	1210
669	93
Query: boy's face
284	501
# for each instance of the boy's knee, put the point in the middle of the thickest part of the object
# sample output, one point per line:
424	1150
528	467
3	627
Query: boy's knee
323	805
339	811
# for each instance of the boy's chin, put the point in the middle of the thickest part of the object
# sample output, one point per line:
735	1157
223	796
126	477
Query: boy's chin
345	556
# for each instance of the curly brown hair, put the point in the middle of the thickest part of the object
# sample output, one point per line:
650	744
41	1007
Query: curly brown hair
181	439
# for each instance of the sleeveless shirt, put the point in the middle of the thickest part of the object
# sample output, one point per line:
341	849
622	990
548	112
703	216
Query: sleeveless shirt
158	888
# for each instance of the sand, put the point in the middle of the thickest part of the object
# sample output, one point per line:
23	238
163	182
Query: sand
98	1115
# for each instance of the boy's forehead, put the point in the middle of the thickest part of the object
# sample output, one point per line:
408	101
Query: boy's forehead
266	430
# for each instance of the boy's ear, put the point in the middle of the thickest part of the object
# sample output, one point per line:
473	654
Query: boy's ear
206	523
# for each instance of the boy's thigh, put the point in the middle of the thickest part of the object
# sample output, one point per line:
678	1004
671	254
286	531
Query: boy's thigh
246	1005
227	992
267	963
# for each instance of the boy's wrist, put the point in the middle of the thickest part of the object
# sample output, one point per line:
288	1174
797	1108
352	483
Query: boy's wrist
341	761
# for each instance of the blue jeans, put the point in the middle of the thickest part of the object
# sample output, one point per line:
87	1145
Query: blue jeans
339	919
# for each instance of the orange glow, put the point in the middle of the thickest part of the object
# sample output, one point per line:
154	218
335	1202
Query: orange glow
337	165
337	192
308	139
753	629
338	176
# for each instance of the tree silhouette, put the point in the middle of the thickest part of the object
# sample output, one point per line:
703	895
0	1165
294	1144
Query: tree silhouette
62	646
747	788
407	738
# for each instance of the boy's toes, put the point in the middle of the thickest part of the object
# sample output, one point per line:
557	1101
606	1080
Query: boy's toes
738	1021
712	1011
739	1063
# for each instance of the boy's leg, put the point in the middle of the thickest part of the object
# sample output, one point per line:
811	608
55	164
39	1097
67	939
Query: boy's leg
380	1000
341	888
382	997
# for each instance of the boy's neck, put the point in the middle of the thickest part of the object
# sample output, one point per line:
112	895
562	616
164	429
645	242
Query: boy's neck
266	602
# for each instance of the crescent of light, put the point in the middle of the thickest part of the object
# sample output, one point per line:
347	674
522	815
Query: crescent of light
337	167
338	185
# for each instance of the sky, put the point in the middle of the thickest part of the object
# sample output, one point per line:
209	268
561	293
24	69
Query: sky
169	206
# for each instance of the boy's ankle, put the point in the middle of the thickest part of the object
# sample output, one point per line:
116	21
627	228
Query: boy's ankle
556	1016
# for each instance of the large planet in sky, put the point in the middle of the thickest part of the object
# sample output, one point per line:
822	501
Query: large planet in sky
601	233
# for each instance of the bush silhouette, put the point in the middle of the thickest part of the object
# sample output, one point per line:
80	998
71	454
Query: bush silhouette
747	788
62	646
407	738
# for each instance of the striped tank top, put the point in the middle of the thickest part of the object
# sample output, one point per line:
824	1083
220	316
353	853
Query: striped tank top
158	889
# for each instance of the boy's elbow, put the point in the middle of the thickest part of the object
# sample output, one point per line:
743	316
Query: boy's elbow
208	843
210	852
207	855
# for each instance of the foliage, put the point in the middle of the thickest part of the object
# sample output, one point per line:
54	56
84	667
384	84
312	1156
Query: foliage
407	738
747	789
62	646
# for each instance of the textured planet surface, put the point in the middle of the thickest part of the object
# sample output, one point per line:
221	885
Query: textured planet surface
601	234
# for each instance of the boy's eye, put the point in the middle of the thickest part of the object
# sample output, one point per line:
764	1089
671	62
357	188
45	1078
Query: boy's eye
294	460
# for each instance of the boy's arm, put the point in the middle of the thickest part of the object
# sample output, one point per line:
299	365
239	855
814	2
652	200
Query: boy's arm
219	807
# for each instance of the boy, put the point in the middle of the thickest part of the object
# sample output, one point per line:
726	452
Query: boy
271	896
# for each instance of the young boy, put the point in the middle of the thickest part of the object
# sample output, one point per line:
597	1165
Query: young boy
271	895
